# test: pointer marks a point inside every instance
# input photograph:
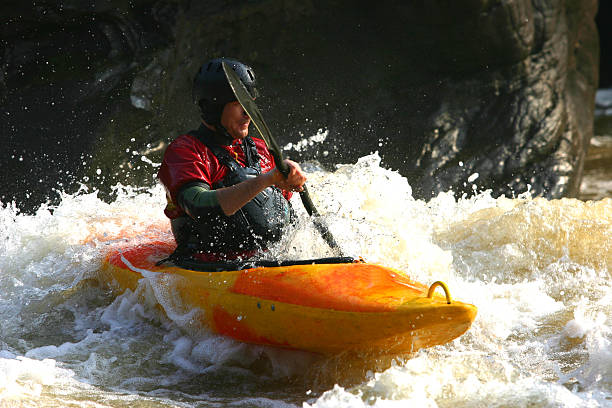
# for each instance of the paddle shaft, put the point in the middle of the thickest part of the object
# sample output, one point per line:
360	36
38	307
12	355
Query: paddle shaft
305	196
252	110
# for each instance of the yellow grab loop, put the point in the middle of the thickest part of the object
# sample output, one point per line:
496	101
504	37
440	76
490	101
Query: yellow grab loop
433	286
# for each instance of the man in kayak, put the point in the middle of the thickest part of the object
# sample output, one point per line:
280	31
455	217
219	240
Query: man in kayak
226	199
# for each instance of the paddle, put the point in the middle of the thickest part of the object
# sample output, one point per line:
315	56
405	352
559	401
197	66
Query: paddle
252	110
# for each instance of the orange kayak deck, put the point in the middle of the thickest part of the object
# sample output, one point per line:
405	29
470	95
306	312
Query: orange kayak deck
322	308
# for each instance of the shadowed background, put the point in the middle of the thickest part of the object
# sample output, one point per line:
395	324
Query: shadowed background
92	92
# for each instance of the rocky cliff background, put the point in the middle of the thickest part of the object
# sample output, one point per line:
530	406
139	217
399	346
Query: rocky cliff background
93	91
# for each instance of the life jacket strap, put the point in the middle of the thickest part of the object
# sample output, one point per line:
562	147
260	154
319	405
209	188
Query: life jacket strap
203	134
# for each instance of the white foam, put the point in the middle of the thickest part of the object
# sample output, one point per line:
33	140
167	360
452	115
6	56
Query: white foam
592	327
538	271
458	380
24	378
304	143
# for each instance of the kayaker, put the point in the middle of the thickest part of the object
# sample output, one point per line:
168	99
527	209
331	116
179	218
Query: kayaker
225	197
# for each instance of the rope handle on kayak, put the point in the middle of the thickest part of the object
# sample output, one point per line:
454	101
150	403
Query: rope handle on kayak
433	286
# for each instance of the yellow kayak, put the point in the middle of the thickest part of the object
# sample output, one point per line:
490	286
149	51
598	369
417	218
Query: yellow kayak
323	308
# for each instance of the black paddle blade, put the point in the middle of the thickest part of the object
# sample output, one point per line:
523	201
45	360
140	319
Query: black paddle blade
248	104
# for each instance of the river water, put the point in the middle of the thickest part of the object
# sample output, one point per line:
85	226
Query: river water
539	272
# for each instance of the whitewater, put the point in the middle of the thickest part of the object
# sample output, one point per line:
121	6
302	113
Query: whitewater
538	270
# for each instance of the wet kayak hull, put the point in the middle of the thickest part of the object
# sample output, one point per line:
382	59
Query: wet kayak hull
322	308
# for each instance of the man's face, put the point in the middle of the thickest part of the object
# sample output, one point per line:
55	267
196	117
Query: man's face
235	120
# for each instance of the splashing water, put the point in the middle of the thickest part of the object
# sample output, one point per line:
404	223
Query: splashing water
538	270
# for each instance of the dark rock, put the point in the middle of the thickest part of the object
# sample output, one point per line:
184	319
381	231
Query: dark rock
604	26
65	69
441	89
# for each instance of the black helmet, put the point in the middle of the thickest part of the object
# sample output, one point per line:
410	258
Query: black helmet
211	91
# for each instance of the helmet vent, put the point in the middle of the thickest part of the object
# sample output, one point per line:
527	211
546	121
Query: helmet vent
251	75
220	67
208	67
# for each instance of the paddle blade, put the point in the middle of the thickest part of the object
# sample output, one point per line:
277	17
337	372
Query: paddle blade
248	104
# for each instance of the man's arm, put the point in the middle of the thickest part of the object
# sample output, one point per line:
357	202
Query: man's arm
232	198
198	199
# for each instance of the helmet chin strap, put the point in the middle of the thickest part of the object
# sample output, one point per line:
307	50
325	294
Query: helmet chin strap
222	131
213	113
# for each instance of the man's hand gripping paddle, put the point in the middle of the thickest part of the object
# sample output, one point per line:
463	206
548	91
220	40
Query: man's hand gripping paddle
252	110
